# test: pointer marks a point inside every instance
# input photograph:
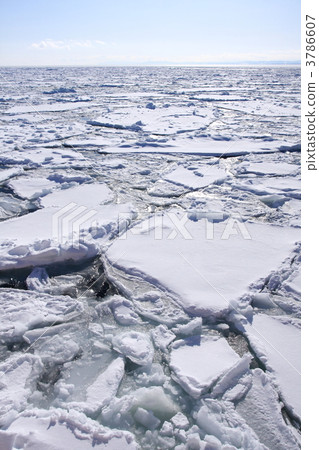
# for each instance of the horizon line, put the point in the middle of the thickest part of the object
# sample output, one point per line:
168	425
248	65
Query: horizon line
163	64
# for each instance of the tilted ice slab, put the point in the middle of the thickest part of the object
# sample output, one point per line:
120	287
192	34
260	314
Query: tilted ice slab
23	310
18	376
103	389
277	342
198	362
224	427
68	227
9	173
196	178
262	410
205	274
57	429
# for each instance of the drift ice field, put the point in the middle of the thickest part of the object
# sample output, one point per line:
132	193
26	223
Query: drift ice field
150	258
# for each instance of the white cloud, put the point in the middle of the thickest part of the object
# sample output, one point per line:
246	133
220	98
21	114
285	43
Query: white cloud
68	44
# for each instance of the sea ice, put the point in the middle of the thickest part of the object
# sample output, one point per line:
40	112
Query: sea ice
135	346
194	370
202	287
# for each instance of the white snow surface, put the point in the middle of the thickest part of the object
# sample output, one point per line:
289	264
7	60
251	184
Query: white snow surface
67	227
266	334
198	363
196	277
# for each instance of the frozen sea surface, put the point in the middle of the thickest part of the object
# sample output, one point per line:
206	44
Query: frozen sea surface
150	258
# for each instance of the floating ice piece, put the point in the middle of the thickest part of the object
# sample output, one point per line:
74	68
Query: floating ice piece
262	410
268	168
123	311
69	177
204	274
219	419
262	300
153	399
276	342
196	372
68	227
162	337
150	375
195	179
38	280
89	195
293	284
11	206
36	157
56	349
60	430
23	310
103	389
135	346
147	419
236	147
32	188
274	200
192	327
180	421
18	376
5	174
288	186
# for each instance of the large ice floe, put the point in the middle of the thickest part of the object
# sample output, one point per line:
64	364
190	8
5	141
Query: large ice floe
150	258
216	261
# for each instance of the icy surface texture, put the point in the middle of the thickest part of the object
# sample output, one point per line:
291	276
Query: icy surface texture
150	258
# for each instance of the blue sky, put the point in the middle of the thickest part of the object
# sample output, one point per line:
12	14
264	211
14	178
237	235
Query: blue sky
98	32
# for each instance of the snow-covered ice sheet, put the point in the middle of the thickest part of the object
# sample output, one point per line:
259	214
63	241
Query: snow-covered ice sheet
196	178
197	277
32	188
195	371
266	334
63	227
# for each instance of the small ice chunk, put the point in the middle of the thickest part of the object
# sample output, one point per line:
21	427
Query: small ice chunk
147	419
167	429
38	279
193	370
123	311
135	346
274	201
180	421
25	310
162	337
57	349
192	327
18	376
103	389
262	300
